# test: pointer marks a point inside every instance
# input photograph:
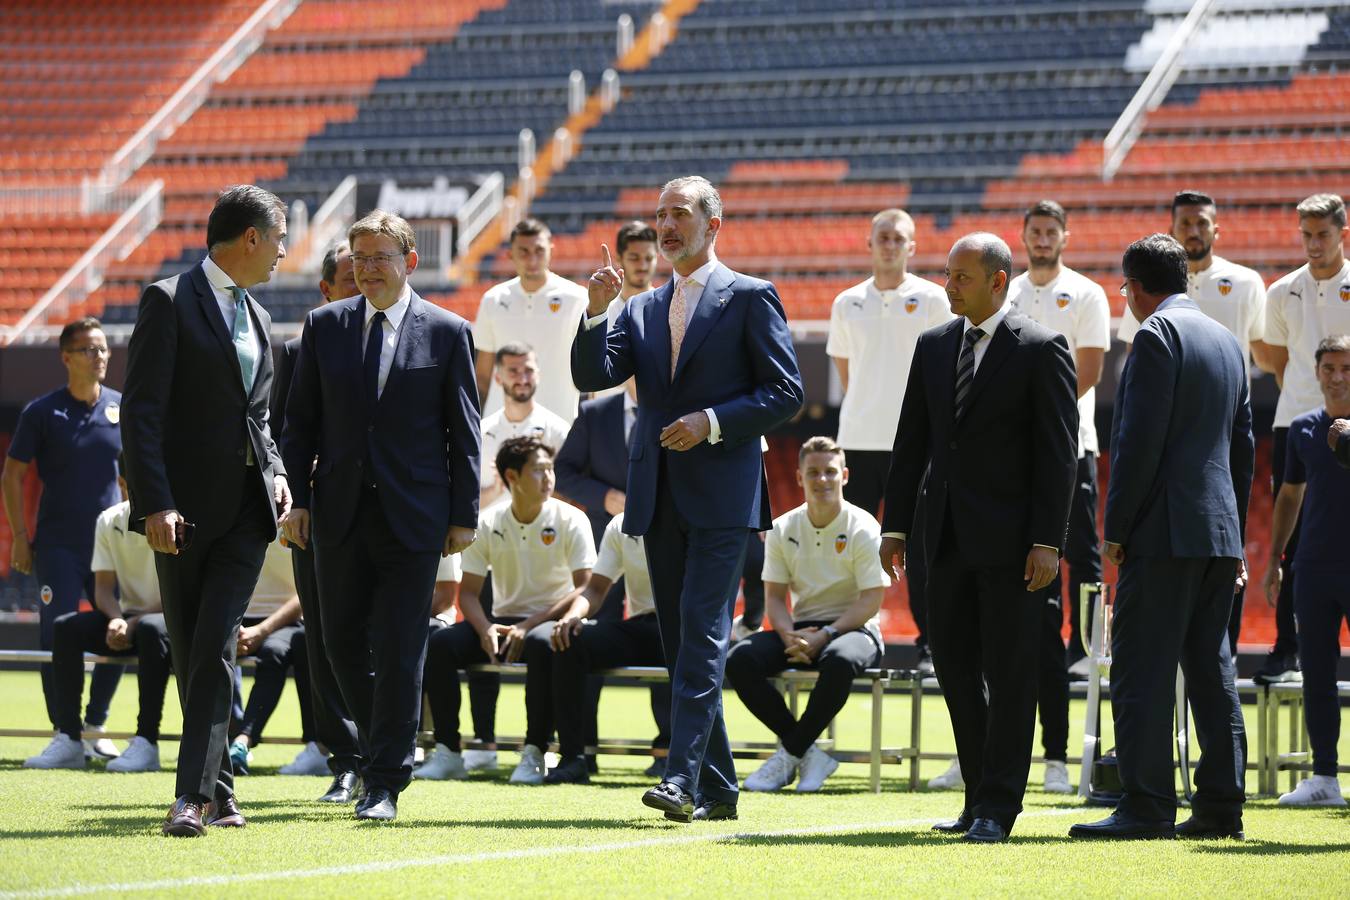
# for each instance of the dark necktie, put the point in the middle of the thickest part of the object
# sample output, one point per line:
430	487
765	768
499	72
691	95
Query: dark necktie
374	343
965	371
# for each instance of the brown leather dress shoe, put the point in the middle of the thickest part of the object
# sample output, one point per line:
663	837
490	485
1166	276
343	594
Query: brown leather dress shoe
225	814
185	818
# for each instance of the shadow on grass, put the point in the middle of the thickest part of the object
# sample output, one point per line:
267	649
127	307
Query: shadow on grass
881	839
1267	848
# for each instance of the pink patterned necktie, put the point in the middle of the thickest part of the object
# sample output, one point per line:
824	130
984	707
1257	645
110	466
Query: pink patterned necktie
678	320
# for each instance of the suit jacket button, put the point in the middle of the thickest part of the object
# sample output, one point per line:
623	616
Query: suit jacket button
370	428
240	451
952	445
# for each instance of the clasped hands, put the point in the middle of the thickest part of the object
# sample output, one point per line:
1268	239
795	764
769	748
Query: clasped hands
802	646
502	643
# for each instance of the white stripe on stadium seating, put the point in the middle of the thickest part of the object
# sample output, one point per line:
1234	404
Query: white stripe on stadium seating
458	859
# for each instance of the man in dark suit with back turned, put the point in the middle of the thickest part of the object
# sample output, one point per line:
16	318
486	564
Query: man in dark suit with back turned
204	476
1176	508
384	395
715	370
991	410
333	726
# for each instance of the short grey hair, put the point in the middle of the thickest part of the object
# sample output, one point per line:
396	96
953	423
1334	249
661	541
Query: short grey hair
995	255
1323	206
330	260
709	201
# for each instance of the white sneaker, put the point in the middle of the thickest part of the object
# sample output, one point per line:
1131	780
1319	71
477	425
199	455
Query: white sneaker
62	753
480	760
530	769
1319	790
1057	777
309	761
140	756
443	764
101	748
419	755
815	767
949	779
739	630
776	772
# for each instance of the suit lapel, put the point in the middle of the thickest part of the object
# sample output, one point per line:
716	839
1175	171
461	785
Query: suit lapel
656	324
206	300
711	304
949	347
262	322
1000	345
409	337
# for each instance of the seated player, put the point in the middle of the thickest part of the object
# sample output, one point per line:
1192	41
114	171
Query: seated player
826	552
582	645
273	633
130	626
540	552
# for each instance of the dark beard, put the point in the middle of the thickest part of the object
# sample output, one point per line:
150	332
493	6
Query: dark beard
1194	256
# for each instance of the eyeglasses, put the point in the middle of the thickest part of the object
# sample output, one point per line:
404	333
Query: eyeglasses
378	259
92	352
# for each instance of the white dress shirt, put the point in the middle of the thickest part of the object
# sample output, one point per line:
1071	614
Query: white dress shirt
988	326
393	319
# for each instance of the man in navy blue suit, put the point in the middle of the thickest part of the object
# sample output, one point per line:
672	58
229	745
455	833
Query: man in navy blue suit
1176	507
715	370
384	395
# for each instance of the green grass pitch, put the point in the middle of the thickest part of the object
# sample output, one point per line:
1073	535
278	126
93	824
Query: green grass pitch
97	833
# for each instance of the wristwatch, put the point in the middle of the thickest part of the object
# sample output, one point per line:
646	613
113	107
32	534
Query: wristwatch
831	632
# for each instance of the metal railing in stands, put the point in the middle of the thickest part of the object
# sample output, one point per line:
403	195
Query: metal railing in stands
85	276
330	221
1122	136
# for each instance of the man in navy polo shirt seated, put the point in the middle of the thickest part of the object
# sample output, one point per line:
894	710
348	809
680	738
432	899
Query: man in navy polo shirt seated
73	436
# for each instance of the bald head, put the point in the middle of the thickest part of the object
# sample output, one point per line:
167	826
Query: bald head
979	267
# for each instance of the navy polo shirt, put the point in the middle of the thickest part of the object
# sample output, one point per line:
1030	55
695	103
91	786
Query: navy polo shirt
1323	536
75	448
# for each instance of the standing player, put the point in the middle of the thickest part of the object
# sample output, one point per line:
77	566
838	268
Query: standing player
1065	301
72	434
873	329
1303	308
517	372
537	308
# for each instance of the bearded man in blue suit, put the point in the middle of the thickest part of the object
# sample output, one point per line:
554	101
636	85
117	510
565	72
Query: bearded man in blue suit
715	370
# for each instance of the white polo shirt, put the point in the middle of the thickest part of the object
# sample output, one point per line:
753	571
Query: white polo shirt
126	554
531	564
547	321
1232	295
876	331
1300	312
496	430
276	583
825	568
624	556
1076	307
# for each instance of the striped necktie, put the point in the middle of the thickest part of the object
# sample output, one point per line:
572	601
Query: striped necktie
965	371
679	315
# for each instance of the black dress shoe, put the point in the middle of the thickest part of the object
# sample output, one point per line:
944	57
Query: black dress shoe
960	825
592	764
343	789
569	771
985	831
380	805
224	814
1201	826
677	804
185	817
1121	827
710	811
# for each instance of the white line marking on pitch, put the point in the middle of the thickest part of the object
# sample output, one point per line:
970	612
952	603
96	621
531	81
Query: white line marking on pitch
458	859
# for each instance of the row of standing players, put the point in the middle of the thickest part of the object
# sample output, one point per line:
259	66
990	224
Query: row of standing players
855	337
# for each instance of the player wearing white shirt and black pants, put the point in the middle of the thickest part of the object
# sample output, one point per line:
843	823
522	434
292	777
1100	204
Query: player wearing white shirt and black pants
537	308
1065	301
582	645
827	552
540	552
873	329
1302	308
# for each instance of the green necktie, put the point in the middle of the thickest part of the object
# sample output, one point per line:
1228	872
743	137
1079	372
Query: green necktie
244	344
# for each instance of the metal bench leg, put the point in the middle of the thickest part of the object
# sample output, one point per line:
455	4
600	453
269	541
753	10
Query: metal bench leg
877	696
915	731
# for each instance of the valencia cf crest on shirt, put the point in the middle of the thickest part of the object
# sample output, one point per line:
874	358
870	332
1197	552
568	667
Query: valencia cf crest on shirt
840	543
554	303
113	412
1345	292
548	536
1225	287
46	594
1063	299
911	304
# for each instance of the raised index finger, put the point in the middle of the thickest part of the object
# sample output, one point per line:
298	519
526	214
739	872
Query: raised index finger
608	263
